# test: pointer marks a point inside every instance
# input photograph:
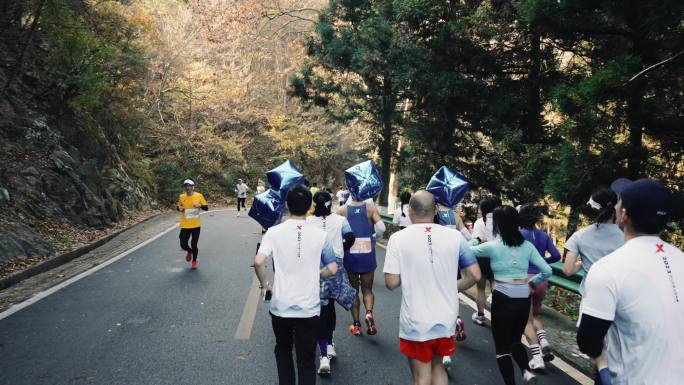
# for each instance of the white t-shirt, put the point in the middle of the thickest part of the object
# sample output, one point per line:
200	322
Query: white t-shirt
402	221
427	257
298	250
334	225
640	287
484	230
241	190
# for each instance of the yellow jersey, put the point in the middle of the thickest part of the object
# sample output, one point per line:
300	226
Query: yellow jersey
190	217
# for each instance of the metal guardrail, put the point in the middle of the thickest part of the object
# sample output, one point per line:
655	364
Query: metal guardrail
558	279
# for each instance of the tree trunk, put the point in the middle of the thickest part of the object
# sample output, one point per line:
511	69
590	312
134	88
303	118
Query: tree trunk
16	69
573	222
533	125
388	106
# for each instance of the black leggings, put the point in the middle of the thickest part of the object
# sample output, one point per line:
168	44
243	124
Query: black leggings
185	236
509	317
241	202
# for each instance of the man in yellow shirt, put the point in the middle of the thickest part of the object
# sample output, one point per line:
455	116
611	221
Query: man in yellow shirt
189	205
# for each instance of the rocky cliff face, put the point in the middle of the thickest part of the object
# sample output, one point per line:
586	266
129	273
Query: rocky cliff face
45	179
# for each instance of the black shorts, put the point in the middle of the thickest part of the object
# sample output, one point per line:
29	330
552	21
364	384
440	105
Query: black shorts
486	268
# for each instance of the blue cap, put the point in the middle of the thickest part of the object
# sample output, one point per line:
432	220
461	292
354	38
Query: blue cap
645	199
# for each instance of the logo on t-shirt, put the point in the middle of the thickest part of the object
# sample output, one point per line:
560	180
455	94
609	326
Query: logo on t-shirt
428	229
668	269
299	241
357	211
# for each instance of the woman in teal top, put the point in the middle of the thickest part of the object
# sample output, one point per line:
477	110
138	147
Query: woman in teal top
510	256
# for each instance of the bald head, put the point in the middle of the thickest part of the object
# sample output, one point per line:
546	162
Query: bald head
422	205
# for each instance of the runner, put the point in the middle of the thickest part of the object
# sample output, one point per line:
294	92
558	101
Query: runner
590	244
241	192
401	217
342	195
447	217
483	231
635	295
260	187
510	256
422	260
189	205
298	251
340	236
359	261
530	215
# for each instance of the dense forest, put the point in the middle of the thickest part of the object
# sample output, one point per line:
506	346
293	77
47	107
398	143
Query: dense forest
106	106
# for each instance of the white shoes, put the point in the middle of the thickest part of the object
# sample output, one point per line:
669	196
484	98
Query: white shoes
478	319
545	346
447	362
238	214
530	378
537	363
331	351
324	367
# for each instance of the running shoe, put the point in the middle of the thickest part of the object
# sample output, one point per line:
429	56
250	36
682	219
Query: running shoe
355	328
530	378
371	328
478	319
545	346
324	366
188	256
238	214
537	363
447	362
331	351
548	357
460	330
194	265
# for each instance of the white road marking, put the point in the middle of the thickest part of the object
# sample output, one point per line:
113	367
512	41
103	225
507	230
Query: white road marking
244	329
557	362
19	306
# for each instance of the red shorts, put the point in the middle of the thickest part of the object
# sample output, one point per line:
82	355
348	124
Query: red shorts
424	351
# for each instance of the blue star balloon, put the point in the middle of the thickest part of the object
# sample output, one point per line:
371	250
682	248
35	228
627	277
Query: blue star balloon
267	208
448	186
363	180
283	177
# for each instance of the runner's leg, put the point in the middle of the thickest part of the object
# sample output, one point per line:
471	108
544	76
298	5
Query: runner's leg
439	375
367	288
193	242
283	329
306	331
421	371
356	304
501	334
184	238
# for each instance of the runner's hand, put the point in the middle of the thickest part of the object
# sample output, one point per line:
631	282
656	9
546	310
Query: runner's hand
180	208
197	205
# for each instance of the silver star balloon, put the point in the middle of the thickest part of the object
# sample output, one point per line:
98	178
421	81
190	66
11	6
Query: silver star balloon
448	186
363	180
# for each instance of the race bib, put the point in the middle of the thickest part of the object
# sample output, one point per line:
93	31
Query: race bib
361	246
192	213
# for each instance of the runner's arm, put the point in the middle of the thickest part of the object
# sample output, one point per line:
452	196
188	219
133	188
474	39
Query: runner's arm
260	270
470	269
203	203
392	281
592	334
328	260
544	268
572	264
392	268
551	248
348	236
598	309
342	210
469	276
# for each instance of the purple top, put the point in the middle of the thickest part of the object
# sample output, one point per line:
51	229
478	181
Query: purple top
543	243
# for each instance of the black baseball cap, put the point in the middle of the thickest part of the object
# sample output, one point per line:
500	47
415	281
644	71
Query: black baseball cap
647	201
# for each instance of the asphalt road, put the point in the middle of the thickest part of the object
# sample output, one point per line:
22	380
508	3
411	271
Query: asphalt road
148	319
